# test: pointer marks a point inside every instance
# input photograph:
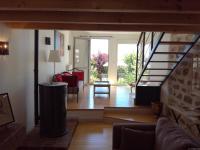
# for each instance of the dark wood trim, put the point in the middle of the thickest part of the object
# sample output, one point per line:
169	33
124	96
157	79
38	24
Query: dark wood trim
159	6
100	17
104	27
36	55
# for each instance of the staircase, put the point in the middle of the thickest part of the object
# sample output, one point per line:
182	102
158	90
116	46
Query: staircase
158	54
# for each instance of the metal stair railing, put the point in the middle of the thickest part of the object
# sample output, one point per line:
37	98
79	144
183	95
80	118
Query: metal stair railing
186	49
151	55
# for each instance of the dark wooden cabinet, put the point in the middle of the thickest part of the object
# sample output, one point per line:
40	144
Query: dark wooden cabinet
52	109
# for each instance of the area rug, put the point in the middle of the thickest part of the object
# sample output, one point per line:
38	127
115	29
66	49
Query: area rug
34	141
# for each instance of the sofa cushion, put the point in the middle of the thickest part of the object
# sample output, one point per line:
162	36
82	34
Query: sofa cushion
171	137
137	139
117	131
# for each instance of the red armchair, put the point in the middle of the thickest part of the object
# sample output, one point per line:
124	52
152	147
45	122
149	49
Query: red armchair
79	74
71	80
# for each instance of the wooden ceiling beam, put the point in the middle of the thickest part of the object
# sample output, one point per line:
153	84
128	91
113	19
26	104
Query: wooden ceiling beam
100	18
105	27
178	6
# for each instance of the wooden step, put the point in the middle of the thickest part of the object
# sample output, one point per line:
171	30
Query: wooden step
135	114
133	117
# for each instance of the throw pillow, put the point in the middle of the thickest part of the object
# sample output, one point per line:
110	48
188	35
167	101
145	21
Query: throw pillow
58	78
137	139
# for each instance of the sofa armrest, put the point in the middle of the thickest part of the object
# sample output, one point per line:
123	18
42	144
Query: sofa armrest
117	131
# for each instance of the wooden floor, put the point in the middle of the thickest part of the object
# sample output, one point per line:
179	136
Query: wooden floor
120	97
92	136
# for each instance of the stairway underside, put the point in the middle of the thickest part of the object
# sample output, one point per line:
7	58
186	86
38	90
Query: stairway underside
158	55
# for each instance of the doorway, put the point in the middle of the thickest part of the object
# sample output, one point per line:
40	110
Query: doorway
98	60
126	63
81	56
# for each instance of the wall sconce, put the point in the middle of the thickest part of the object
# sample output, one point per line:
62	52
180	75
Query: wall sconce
4	48
47	40
68	47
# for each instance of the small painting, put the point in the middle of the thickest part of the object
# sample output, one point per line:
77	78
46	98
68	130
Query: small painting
6	113
59	42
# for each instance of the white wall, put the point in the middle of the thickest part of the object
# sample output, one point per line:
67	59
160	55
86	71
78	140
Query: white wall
17	69
17	73
46	69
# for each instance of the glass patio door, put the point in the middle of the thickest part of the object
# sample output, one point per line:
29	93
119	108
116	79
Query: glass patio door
98	60
81	56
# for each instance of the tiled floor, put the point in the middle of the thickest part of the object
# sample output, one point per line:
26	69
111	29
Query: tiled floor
120	97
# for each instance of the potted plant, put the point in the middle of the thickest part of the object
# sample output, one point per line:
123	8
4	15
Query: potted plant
98	61
156	107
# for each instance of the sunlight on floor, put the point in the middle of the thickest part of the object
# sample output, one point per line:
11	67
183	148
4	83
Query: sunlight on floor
120	97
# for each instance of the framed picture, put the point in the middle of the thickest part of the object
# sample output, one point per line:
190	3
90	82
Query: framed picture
6	113
59	42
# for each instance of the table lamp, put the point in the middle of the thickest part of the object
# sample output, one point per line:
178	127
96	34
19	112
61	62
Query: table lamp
54	57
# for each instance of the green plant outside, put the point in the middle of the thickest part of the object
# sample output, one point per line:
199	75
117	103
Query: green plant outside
126	73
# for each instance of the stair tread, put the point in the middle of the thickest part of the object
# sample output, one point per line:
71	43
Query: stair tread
161	61
159	69
155	75
150	81
170	53
184	51
175	43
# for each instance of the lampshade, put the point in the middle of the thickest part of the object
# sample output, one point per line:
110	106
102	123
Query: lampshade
54	56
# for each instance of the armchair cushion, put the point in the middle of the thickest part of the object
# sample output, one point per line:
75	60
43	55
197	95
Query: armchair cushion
134	139
67	74
79	74
71	80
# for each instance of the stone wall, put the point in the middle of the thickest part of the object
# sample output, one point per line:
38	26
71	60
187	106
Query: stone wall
181	92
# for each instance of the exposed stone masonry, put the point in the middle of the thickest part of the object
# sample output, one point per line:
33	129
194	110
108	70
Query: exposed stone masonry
181	92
